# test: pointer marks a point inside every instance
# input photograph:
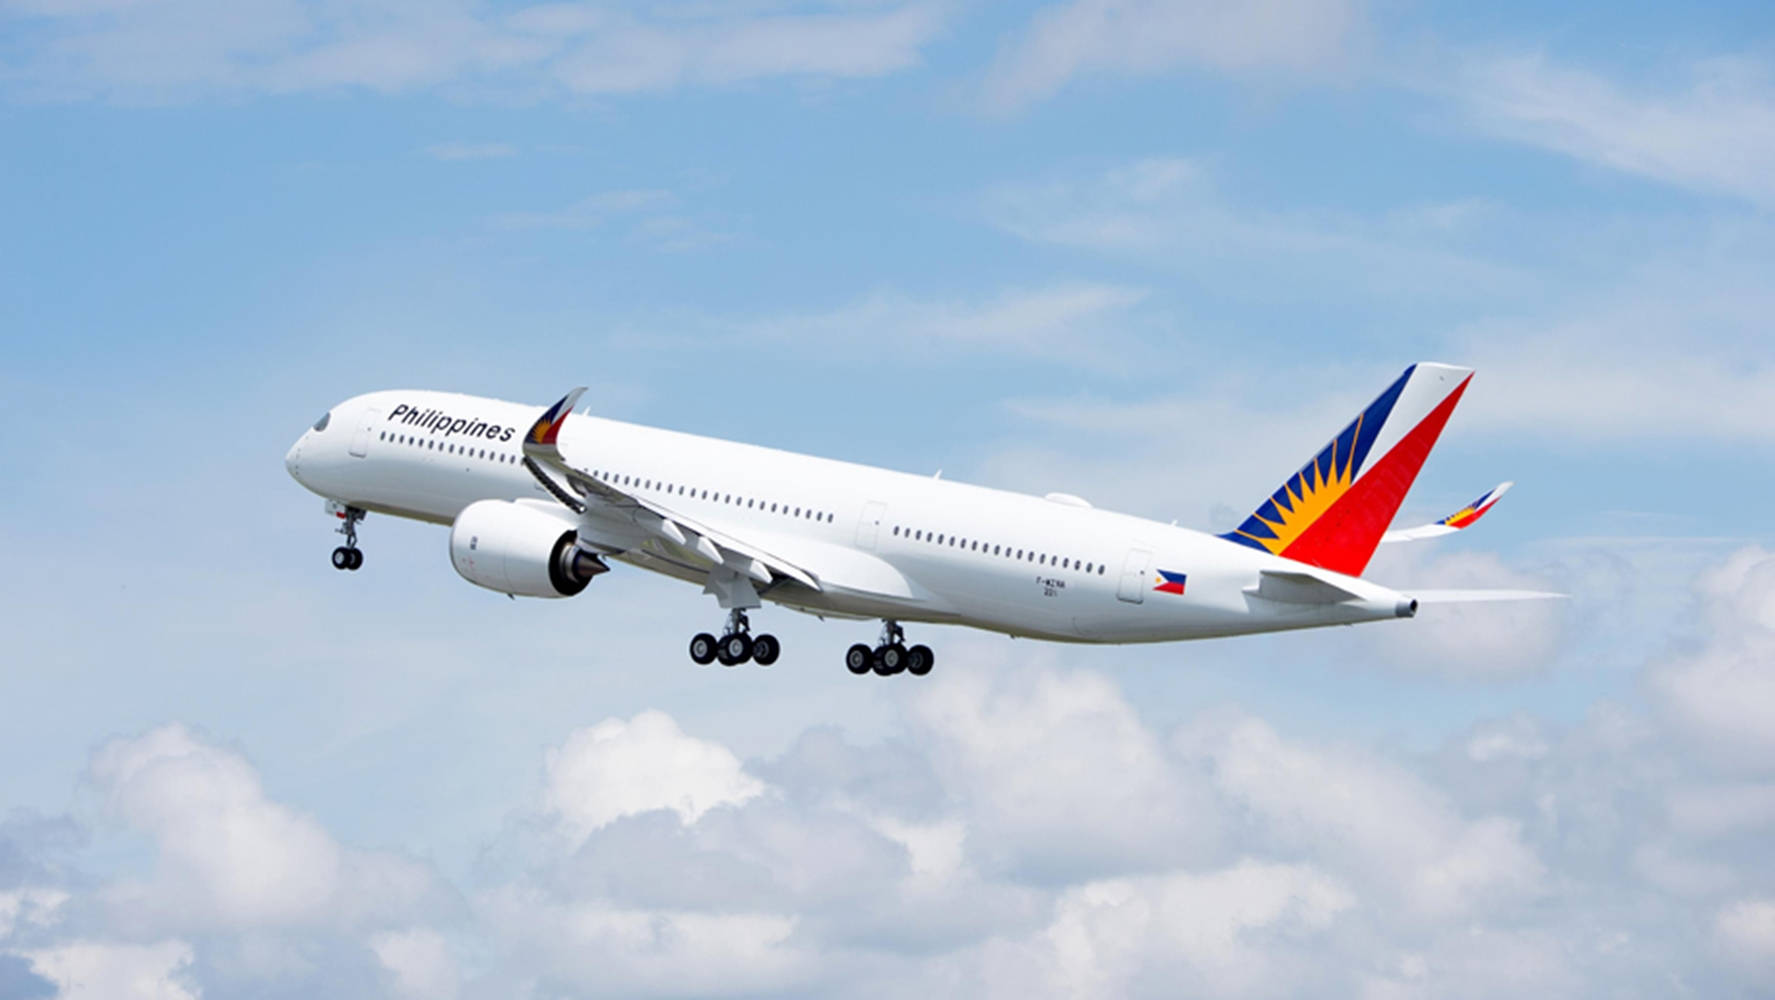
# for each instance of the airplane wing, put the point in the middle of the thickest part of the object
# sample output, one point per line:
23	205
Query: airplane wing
604	500
1453	522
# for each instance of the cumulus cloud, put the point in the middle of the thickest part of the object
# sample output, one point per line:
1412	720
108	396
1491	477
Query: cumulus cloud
1085	38
1246	930
1722	696
1745	931
1114	793
1372	817
1027	832
623	768
420	961
227	855
183	49
87	970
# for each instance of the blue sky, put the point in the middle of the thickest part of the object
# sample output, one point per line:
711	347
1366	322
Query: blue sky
1150	253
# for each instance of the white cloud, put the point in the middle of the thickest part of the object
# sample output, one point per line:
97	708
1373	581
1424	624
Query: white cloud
91	970
182	49
1106	788
29	907
1084	38
1221	933
1515	738
1487	639
420	961
1716	135
227	854
1723	695
601	950
623	768
1404	837
1745	931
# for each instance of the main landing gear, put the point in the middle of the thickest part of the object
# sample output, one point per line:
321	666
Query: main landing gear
736	646
890	656
349	556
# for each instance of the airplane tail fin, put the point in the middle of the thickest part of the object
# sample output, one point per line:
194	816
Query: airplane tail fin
1333	512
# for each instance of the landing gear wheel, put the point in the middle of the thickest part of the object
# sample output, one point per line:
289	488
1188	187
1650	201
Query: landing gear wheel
735	649
859	659
347	556
890	659
765	649
920	660
702	649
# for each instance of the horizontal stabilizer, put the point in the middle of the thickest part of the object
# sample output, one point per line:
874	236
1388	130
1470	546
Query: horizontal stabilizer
1480	596
1453	522
1299	588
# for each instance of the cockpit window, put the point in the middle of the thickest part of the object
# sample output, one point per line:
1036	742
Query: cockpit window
321	424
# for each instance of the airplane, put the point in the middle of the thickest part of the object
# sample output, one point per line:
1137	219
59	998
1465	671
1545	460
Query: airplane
541	505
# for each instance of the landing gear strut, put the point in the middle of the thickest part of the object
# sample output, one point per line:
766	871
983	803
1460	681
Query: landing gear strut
890	656
349	556
736	645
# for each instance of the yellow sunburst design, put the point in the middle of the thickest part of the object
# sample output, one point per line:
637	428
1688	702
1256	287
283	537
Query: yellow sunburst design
1303	499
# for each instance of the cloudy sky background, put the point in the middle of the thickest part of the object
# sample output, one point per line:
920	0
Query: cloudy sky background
1150	253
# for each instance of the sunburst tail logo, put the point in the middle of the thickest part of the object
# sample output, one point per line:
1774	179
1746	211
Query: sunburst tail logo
1333	512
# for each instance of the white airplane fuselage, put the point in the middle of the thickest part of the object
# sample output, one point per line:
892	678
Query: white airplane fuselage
883	544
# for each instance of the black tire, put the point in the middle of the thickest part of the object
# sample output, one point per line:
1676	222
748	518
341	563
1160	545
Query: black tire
920	660
736	649
766	649
357	559
702	649
890	659
341	558
858	659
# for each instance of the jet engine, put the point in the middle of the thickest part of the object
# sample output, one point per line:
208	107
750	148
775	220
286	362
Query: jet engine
520	548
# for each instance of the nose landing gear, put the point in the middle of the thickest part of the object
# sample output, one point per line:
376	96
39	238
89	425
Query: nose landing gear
736	645
348	556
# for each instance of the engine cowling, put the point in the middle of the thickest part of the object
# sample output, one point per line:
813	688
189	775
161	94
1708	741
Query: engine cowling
519	548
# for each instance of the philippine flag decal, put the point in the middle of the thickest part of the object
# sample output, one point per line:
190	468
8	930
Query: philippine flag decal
1171	583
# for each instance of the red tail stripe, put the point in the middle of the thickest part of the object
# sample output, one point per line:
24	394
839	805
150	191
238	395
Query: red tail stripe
1344	538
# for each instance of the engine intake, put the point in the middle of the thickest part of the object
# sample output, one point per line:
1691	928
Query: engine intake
520	548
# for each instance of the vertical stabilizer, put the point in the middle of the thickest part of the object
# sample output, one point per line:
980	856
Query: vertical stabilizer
1333	512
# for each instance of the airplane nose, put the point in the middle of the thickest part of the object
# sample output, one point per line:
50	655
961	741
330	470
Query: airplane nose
293	459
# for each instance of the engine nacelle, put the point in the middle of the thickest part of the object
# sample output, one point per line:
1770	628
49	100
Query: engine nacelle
519	548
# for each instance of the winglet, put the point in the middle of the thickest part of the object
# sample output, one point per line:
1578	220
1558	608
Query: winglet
542	434
1453	522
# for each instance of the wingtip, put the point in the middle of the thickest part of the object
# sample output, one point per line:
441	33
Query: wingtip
547	428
